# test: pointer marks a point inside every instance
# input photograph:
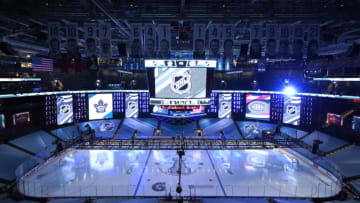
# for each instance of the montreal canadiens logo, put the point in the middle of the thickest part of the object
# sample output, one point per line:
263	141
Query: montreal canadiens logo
258	107
180	83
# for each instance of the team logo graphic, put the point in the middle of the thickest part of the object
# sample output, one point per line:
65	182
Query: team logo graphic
106	126
224	105
257	107
291	109
158	187
64	109
180	83
100	106
131	105
185	170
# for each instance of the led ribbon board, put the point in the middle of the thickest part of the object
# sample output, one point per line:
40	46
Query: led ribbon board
180	63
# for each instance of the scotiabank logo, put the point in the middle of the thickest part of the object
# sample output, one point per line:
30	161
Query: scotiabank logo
258	107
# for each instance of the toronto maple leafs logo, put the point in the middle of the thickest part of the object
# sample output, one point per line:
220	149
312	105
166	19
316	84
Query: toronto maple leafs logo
100	106
180	82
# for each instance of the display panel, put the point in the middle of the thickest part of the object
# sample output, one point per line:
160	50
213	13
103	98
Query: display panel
334	120
172	112
100	106
258	107
21	119
64	107
2	121
291	112
157	109
225	101
356	123
132	105
179	83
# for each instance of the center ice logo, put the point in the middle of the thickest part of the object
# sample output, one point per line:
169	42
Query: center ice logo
100	106
180	83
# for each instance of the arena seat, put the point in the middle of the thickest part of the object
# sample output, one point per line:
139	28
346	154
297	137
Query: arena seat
258	125
346	201
231	132
347	160
125	132
103	128
356	185
12	158
291	201
144	129
329	142
67	201
123	201
205	122
66	133
151	122
172	130
213	129
35	142
17	201
216	200
293	132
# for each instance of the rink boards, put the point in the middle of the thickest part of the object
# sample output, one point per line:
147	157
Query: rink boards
205	173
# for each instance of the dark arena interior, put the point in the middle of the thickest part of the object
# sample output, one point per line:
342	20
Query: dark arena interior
162	101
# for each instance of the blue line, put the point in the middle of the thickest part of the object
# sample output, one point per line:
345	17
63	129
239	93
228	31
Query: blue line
142	173
217	176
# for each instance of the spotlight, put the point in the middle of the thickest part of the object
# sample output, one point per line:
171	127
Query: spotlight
289	90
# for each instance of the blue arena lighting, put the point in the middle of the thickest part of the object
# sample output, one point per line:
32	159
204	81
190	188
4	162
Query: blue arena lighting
289	90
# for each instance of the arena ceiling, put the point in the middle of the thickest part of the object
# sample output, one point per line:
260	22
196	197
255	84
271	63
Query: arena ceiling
24	23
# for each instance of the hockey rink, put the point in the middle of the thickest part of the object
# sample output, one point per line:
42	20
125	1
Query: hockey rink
153	173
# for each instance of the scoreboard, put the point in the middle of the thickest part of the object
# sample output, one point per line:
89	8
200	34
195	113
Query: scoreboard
180	82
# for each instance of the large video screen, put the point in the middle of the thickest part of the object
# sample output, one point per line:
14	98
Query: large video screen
356	123
64	107
100	106
165	112
291	113
180	83
131	105
258	107
225	101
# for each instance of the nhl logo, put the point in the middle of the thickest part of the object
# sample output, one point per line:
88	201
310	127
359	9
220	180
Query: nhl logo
64	109
180	83
290	109
100	106
224	106
131	105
